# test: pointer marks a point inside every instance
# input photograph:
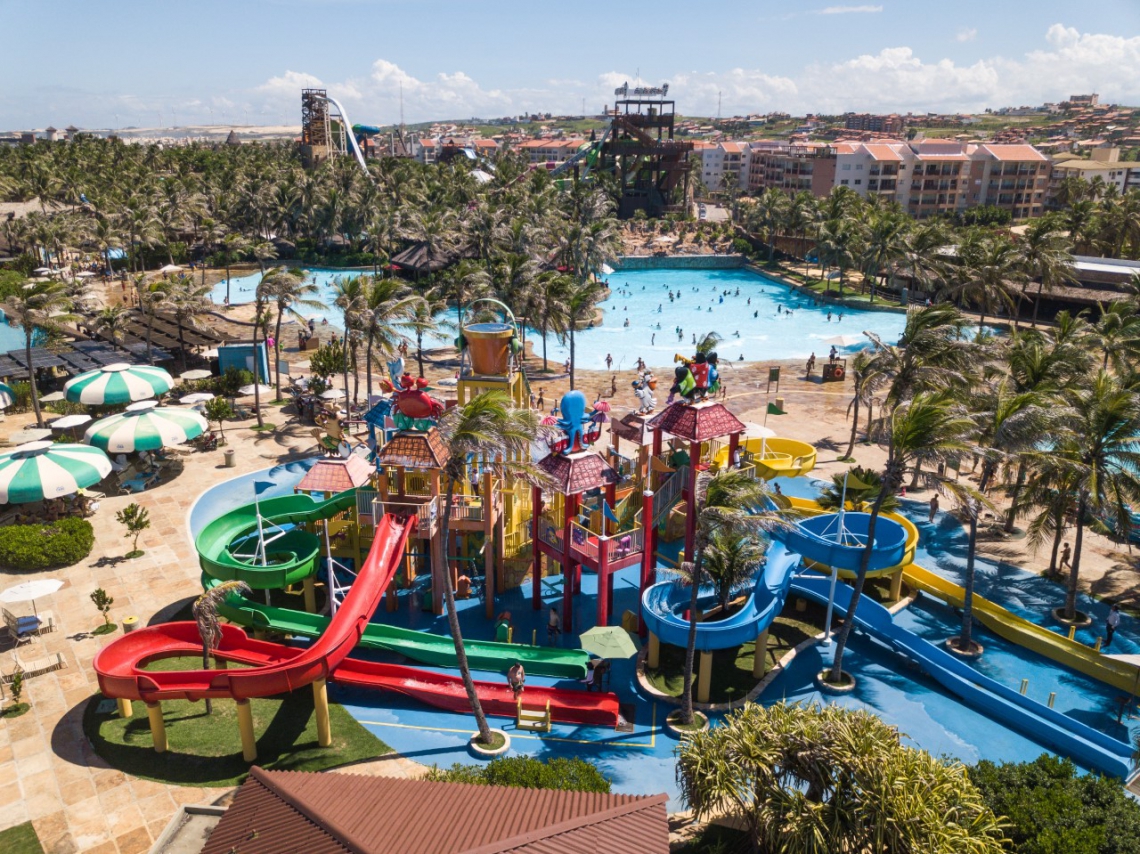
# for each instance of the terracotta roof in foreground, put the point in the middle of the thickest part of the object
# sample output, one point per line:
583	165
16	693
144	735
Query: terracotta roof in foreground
279	812
575	473
413	449
698	422
332	476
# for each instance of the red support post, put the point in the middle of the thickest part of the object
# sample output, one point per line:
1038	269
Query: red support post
691	501
611	499
649	555
536	580
569	565
604	587
733	446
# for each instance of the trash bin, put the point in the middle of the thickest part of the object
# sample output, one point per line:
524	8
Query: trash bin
130	624
230	461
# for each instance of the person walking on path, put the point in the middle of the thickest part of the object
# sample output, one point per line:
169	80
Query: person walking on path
933	509
553	626
1066	556
609	361
516	677
1111	624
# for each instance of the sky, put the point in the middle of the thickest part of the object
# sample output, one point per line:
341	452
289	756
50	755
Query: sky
122	63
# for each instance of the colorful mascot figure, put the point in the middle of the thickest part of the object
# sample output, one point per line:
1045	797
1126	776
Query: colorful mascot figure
683	382
696	378
581	428
644	394
414	408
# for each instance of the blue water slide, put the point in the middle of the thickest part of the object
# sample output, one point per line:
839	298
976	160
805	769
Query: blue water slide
816	539
664	606
1088	746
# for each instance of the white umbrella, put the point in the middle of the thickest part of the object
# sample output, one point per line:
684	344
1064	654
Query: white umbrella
69	421
210	354
332	394
196	374
29	434
847	341
118	383
758	431
30	591
40	470
54	397
262	389
86	274
42	271
170	268
196	397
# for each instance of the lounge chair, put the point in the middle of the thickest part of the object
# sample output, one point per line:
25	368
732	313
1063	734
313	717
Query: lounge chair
141	483
34	666
22	629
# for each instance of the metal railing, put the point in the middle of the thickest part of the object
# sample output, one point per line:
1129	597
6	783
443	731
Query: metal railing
364	507
467	508
426	512
549	534
667	493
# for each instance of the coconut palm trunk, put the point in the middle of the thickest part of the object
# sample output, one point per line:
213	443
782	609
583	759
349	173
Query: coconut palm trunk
965	637
277	355
695	577
1075	566
28	330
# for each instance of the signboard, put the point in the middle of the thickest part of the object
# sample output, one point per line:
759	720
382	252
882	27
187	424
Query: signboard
774	377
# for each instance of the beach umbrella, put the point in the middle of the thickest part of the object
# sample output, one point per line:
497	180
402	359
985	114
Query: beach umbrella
210	354
196	397
118	383
41	470
196	374
30	434
250	389
170	268
602	406
54	397
846	341
42	271
608	642
332	394
70	422
86	274
143	427
549	421
758	431
30	591
7	396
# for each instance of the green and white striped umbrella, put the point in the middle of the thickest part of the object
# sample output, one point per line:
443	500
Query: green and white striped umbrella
118	383
40	470
144	428
7	396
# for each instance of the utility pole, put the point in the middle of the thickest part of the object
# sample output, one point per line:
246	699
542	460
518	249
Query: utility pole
718	94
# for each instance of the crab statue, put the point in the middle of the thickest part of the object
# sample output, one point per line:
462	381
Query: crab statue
695	379
581	428
415	409
643	391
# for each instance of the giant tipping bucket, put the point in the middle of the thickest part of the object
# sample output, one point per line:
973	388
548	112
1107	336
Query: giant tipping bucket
488	344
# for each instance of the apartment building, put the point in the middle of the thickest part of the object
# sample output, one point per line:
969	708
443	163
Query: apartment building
724	158
889	125
870	168
1010	177
549	150
791	167
1105	164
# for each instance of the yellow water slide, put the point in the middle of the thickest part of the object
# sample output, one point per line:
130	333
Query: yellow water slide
774	457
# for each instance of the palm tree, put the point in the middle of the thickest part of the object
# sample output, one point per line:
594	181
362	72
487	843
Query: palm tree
858	497
289	293
487	428
112	322
725	501
767	215
580	311
233	245
423	319
390	309
1118	333
188	303
884	245
548	305
36	305
151	296
205	610
866	381
731	562
1100	451
928	428
1043	255
987	270
349	297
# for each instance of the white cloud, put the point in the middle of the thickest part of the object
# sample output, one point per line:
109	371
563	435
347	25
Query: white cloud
850	10
967	34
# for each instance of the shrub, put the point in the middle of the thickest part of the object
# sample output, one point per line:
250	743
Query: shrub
1052	807
61	543
526	772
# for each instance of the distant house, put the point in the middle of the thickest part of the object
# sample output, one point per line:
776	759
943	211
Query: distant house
275	812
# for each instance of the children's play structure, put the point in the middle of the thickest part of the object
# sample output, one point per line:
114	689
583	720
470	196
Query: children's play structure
361	531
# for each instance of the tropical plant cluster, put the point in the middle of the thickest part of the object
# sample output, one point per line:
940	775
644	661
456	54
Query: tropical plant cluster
564	774
45	545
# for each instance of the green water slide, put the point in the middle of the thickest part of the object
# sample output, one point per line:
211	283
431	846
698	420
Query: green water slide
226	546
424	647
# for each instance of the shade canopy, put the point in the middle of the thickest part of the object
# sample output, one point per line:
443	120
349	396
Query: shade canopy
758	431
118	383
196	374
30	434
143	427
41	470
196	397
170	268
260	389
69	421
847	341
7	396
332	394
53	397
608	642
26	591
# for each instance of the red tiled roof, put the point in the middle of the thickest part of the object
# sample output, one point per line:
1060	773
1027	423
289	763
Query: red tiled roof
414	450
881	151
1014	152
631	427
276	812
575	473
698	422
332	476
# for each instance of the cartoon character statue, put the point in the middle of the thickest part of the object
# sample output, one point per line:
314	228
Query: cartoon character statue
581	428
696	378
683	382
644	395
714	372
415	408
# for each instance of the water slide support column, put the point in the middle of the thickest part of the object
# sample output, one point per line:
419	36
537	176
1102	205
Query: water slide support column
490	551
704	676
760	655
126	710
157	726
321	706
536	574
653	657
604	582
310	586
896	584
245	727
648	557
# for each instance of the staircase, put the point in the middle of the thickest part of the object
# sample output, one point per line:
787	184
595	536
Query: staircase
533	720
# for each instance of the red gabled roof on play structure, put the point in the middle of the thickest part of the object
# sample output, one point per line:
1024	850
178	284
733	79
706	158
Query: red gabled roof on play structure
416	450
698	422
332	476
632	427
575	473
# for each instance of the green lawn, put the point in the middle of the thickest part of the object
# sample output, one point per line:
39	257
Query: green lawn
20	839
732	668
205	750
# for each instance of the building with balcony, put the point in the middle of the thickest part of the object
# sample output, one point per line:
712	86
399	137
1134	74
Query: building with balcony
791	167
725	158
1105	165
889	125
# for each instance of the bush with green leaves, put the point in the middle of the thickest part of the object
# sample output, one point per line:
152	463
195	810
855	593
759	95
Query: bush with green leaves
45	545
1054	808
229	384
526	772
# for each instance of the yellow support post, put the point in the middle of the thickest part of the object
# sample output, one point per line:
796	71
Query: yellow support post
245	726
760	655
125	708
321	704
1098	643
896	584
310	586
1024	686
653	657
1052	698
157	726
1072	632
704	682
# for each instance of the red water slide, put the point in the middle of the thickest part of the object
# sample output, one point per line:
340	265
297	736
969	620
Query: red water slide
276	668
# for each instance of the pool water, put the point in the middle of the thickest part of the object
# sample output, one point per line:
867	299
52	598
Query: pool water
767	320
